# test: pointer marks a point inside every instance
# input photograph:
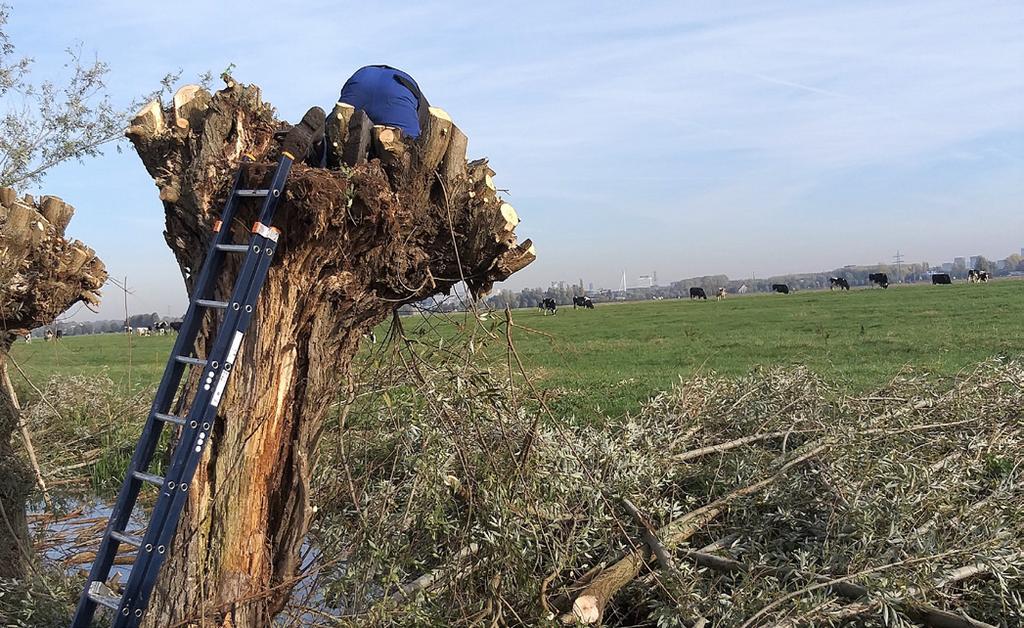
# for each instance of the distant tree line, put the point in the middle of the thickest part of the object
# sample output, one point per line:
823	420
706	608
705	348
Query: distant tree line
83	328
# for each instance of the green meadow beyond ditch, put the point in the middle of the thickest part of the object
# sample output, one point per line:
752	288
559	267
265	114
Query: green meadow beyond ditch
608	360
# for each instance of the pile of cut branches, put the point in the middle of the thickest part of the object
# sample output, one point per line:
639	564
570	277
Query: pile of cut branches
771	499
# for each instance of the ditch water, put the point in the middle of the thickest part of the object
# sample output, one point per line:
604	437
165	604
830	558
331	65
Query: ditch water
72	538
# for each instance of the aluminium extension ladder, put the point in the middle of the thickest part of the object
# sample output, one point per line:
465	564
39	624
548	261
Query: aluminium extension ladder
197	426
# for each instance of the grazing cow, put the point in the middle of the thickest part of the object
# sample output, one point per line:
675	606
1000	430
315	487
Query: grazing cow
548	305
48	335
176	326
781	288
720	295
743	289
143	331
838	282
583	302
698	293
60	334
941	278
881	279
28	338
977	276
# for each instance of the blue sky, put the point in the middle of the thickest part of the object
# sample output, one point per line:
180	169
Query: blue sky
683	137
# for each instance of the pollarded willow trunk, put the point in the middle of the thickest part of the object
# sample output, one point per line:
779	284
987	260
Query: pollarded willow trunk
356	244
42	274
15	486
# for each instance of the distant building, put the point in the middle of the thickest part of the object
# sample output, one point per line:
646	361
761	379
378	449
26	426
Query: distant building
974	261
1002	264
948	266
960	261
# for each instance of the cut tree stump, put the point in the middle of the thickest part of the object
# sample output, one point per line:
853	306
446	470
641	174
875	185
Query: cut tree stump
42	274
336	130
355	245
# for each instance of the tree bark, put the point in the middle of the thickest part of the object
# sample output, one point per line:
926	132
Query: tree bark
41	275
15	486
356	244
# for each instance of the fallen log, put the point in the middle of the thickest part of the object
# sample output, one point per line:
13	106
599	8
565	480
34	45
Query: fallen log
589	605
391	228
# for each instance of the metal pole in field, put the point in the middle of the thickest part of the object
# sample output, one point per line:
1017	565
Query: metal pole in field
124	287
898	258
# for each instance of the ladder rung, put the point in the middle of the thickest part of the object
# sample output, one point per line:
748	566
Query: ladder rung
184	359
98	593
169	418
123	537
233	248
220	305
252	192
155	480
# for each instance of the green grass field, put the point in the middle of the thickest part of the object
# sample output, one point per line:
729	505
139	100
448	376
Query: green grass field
608	360
611	357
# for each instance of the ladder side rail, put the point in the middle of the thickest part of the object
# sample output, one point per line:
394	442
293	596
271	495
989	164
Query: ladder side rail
152	429
141	598
186	437
174	484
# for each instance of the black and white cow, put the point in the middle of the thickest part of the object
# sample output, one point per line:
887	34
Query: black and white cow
548	305
977	276
720	295
175	326
698	293
838	282
781	288
941	279
583	302
881	279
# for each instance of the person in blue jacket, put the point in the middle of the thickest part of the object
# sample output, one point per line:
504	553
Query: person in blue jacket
388	96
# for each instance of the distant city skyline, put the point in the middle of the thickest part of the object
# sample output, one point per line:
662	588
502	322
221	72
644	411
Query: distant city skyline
692	138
